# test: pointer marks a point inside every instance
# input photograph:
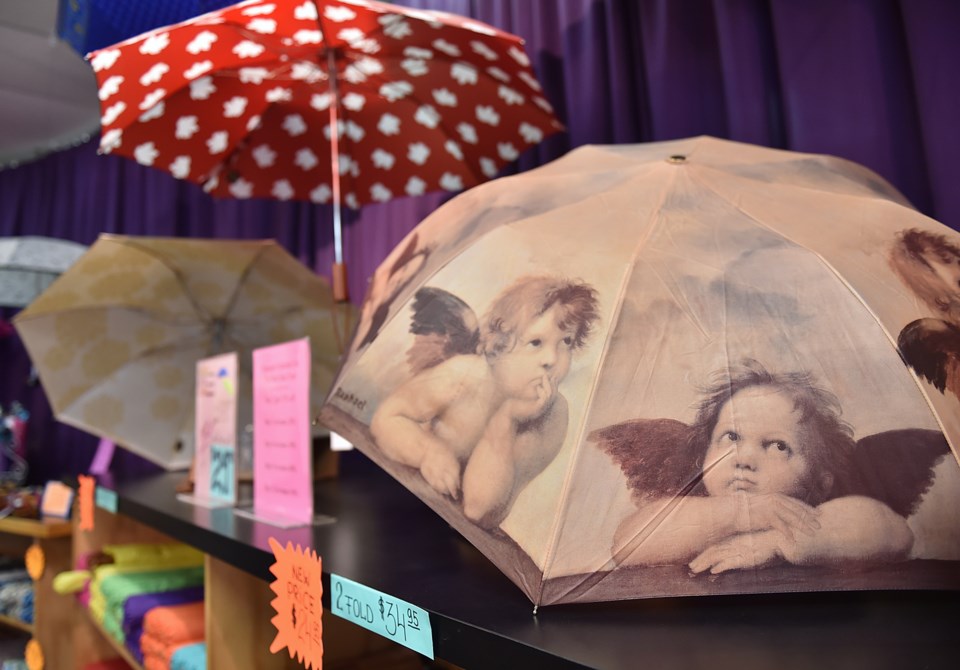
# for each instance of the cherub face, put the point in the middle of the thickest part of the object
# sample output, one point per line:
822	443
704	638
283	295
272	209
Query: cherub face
757	446
539	359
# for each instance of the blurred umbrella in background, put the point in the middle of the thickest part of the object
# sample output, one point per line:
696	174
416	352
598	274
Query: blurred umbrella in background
28	265
242	100
117	338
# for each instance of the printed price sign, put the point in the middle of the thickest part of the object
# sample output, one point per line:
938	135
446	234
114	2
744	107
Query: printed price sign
385	615
223	476
106	499
299	614
282	479
216	429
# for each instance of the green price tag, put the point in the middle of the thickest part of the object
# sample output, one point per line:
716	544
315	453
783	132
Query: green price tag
106	499
223	478
385	615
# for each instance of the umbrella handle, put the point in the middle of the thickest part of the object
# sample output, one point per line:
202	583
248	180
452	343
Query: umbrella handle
340	292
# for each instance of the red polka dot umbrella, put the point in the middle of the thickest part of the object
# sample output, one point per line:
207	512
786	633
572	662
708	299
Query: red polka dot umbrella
242	100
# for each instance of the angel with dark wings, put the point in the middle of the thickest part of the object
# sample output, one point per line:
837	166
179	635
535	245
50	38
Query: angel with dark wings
929	264
767	473
482	414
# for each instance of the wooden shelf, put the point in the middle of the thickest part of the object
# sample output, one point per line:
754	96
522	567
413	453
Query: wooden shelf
38	528
14	622
118	647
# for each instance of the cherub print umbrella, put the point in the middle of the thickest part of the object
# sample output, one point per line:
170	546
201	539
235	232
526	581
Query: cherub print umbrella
673	369
242	100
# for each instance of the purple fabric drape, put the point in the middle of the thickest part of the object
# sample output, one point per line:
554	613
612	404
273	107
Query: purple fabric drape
874	81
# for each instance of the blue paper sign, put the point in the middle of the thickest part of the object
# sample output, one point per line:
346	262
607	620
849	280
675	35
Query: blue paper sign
106	499
223	477
385	615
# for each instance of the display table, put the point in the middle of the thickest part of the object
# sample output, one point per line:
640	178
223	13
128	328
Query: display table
385	538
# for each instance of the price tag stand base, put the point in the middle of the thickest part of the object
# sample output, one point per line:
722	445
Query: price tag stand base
281	522
209	503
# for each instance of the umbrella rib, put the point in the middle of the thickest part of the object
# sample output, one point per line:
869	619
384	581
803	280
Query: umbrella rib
200	310
654	223
243	278
856	295
27	316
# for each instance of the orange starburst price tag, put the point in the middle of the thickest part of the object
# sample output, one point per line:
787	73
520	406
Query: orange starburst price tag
298	589
88	487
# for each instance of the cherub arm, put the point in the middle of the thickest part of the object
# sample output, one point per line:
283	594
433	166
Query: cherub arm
852	528
666	531
507	457
402	426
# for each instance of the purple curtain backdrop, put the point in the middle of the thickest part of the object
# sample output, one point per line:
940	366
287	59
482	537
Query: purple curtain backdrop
874	81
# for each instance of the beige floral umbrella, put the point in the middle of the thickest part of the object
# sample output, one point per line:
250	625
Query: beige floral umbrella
116	338
678	368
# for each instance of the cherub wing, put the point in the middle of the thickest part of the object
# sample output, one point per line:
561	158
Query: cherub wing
894	467
932	348
657	456
443	326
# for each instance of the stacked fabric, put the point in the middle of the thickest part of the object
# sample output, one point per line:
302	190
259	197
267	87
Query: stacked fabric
168	631
190	657
136	608
16	594
112	586
124	582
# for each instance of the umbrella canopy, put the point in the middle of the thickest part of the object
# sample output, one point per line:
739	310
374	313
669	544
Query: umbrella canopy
28	265
672	369
116	339
242	100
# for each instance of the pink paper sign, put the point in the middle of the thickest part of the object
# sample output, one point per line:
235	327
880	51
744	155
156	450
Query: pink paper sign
216	429
282	477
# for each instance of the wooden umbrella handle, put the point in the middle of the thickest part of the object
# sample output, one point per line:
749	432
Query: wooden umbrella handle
340	292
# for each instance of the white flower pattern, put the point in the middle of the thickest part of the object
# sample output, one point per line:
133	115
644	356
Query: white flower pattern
454	101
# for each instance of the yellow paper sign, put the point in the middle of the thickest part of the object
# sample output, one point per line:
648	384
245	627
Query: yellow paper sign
88	486
299	612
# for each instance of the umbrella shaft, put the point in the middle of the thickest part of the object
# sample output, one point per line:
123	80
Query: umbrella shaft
335	155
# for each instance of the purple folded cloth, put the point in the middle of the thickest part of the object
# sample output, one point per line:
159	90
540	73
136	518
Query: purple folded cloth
136	607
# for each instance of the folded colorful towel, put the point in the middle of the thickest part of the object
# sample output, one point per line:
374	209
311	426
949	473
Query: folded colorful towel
189	657
109	593
157	650
175	624
172	553
155	663
137	606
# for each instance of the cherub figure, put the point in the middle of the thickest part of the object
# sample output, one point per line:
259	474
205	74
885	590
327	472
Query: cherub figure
929	264
767	473
483	415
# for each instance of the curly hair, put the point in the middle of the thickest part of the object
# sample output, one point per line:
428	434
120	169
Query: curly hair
525	300
910	260
828	439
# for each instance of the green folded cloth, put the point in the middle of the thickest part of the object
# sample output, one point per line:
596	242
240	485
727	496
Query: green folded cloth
111	592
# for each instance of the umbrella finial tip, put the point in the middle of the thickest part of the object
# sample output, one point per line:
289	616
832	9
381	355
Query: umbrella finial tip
676	159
